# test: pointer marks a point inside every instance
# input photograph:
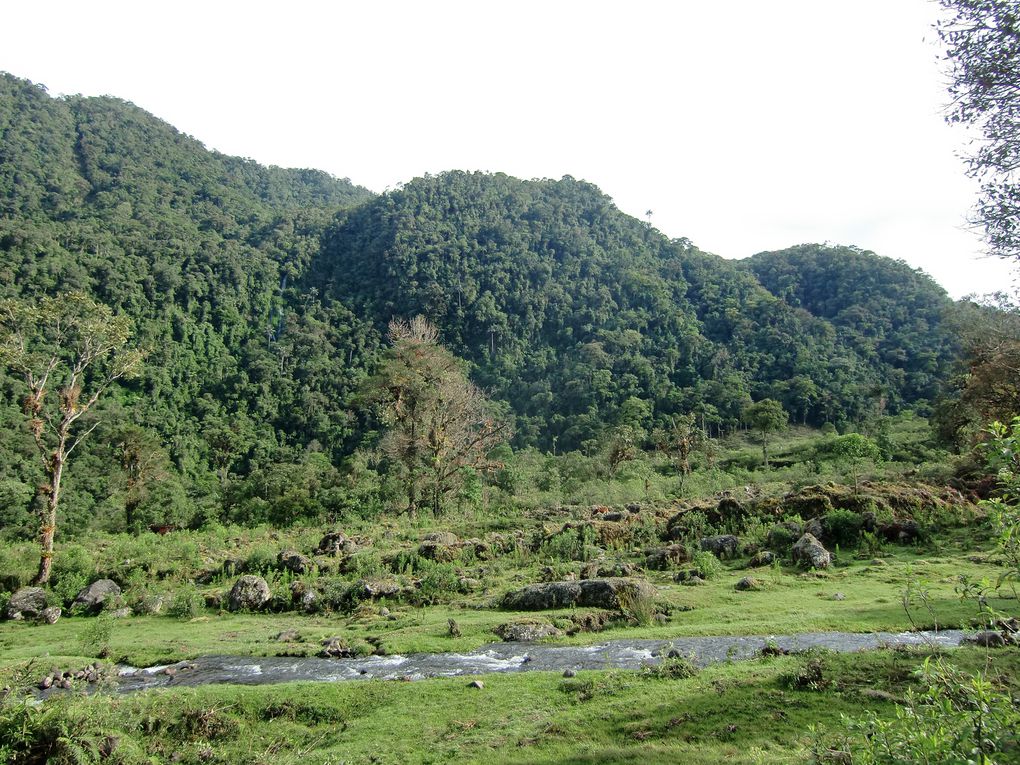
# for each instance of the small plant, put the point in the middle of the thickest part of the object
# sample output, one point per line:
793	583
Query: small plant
636	605
707	564
186	603
94	640
674	667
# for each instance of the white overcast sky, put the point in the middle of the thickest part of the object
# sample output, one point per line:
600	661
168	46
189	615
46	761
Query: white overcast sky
744	125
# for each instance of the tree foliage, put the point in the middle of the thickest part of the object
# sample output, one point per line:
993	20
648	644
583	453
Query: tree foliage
439	426
68	350
982	53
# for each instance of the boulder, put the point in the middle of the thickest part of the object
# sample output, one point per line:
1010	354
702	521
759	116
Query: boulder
50	615
332	543
437	551
809	552
445	538
748	583
335	648
662	558
92	598
762	558
601	569
526	632
27	603
249	593
293	561
903	532
730	509
587	593
373	589
721	546
304	597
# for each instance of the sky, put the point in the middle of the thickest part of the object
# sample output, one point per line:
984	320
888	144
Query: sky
743	125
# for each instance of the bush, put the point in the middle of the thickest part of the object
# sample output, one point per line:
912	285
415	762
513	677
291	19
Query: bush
570	544
186	603
636	605
956	718
439	583
842	527
68	586
707	564
336	594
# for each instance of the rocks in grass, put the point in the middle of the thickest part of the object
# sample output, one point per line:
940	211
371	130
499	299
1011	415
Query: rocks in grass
293	561
440	546
249	593
27	603
748	584
336	648
721	546
304	597
526	631
332	543
601	569
662	558
50	615
808	551
586	593
373	589
762	558
288	636
476	684
92	598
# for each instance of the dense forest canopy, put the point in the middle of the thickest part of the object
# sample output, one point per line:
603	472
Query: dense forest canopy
261	297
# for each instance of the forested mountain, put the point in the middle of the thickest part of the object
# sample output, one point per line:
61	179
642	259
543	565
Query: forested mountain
262	296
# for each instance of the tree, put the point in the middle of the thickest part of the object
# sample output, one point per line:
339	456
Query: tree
855	449
69	350
766	416
144	463
982	48
440	427
678	441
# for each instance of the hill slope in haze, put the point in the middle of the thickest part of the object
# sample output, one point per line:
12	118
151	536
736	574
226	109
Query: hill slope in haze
263	297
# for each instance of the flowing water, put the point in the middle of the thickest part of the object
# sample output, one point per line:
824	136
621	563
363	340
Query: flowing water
510	657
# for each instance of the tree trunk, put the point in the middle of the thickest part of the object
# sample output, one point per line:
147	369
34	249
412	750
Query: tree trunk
48	527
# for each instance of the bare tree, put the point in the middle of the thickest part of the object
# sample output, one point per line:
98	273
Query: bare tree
72	348
439	425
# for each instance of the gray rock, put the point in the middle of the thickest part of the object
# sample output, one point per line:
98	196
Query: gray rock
249	593
332	543
121	613
288	636
446	538
335	648
438	551
92	598
526	632
762	558
662	558
50	615
569	673
988	639
721	546
838	596
151	605
603	569
373	589
587	593
693	581
748	583
476	684
808	551
293	561
27	603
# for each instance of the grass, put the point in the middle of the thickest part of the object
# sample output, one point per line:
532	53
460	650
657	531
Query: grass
752	712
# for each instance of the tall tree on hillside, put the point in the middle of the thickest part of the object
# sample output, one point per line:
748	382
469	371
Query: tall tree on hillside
766	416
982	43
68	349
439	425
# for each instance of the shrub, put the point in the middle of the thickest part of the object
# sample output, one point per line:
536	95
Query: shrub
671	668
570	544
842	527
636	605
956	718
707	564
186	603
438	584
